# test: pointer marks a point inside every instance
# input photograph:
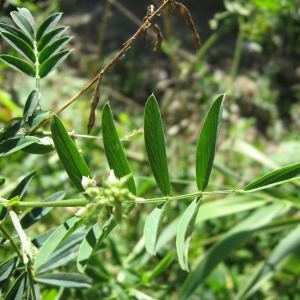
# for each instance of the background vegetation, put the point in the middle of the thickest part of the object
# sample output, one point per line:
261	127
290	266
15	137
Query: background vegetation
250	51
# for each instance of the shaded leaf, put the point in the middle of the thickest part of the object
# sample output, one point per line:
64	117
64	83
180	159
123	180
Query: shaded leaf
52	62
37	118
37	213
17	32
15	144
43	146
184	232
2	181
7	267
11	129
50	37
221	249
18	64
152	227
48	24
285	247
56	238
21	46
31	104
67	280
275	177
207	143
69	155
18	288
94	238
115	155
23	24
53	48
155	145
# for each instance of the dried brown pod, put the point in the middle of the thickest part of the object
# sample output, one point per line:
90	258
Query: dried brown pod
171	7
189	22
94	103
159	37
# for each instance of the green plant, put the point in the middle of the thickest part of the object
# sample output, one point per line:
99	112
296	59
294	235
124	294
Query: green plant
37	265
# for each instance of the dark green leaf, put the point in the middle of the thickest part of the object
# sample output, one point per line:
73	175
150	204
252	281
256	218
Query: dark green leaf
67	251
23	24
18	64
69	155
17	32
184	232
155	145
67	280
7	267
274	177
48	24
113	149
43	146
207	143
16	144
37	118
2	181
153	226
50	37
56	238
53	48
31	104
18	288
221	249
21	46
52	62
11	129
37	213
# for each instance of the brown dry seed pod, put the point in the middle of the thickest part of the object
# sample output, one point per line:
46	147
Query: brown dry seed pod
94	103
159	37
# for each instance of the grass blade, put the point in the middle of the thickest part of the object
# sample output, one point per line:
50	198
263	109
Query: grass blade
207	143
18	64
69	155
115	155
152	227
274	177
155	145
184	232
232	239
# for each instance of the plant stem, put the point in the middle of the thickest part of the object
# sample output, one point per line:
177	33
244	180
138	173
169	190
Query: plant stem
62	203
8	237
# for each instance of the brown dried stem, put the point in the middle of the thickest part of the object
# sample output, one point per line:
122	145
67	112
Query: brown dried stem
112	62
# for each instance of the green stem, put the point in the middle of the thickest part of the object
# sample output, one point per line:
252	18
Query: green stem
238	50
8	237
62	203
31	282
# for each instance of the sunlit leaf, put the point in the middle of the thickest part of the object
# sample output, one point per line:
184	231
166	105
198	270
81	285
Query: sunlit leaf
207	143
275	177
16	144
18	64
27	14
285	247
23	24
19	45
53	48
48	24
223	247
114	151
69	155
67	280
155	145
184	232
152	227
50	37
52	62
